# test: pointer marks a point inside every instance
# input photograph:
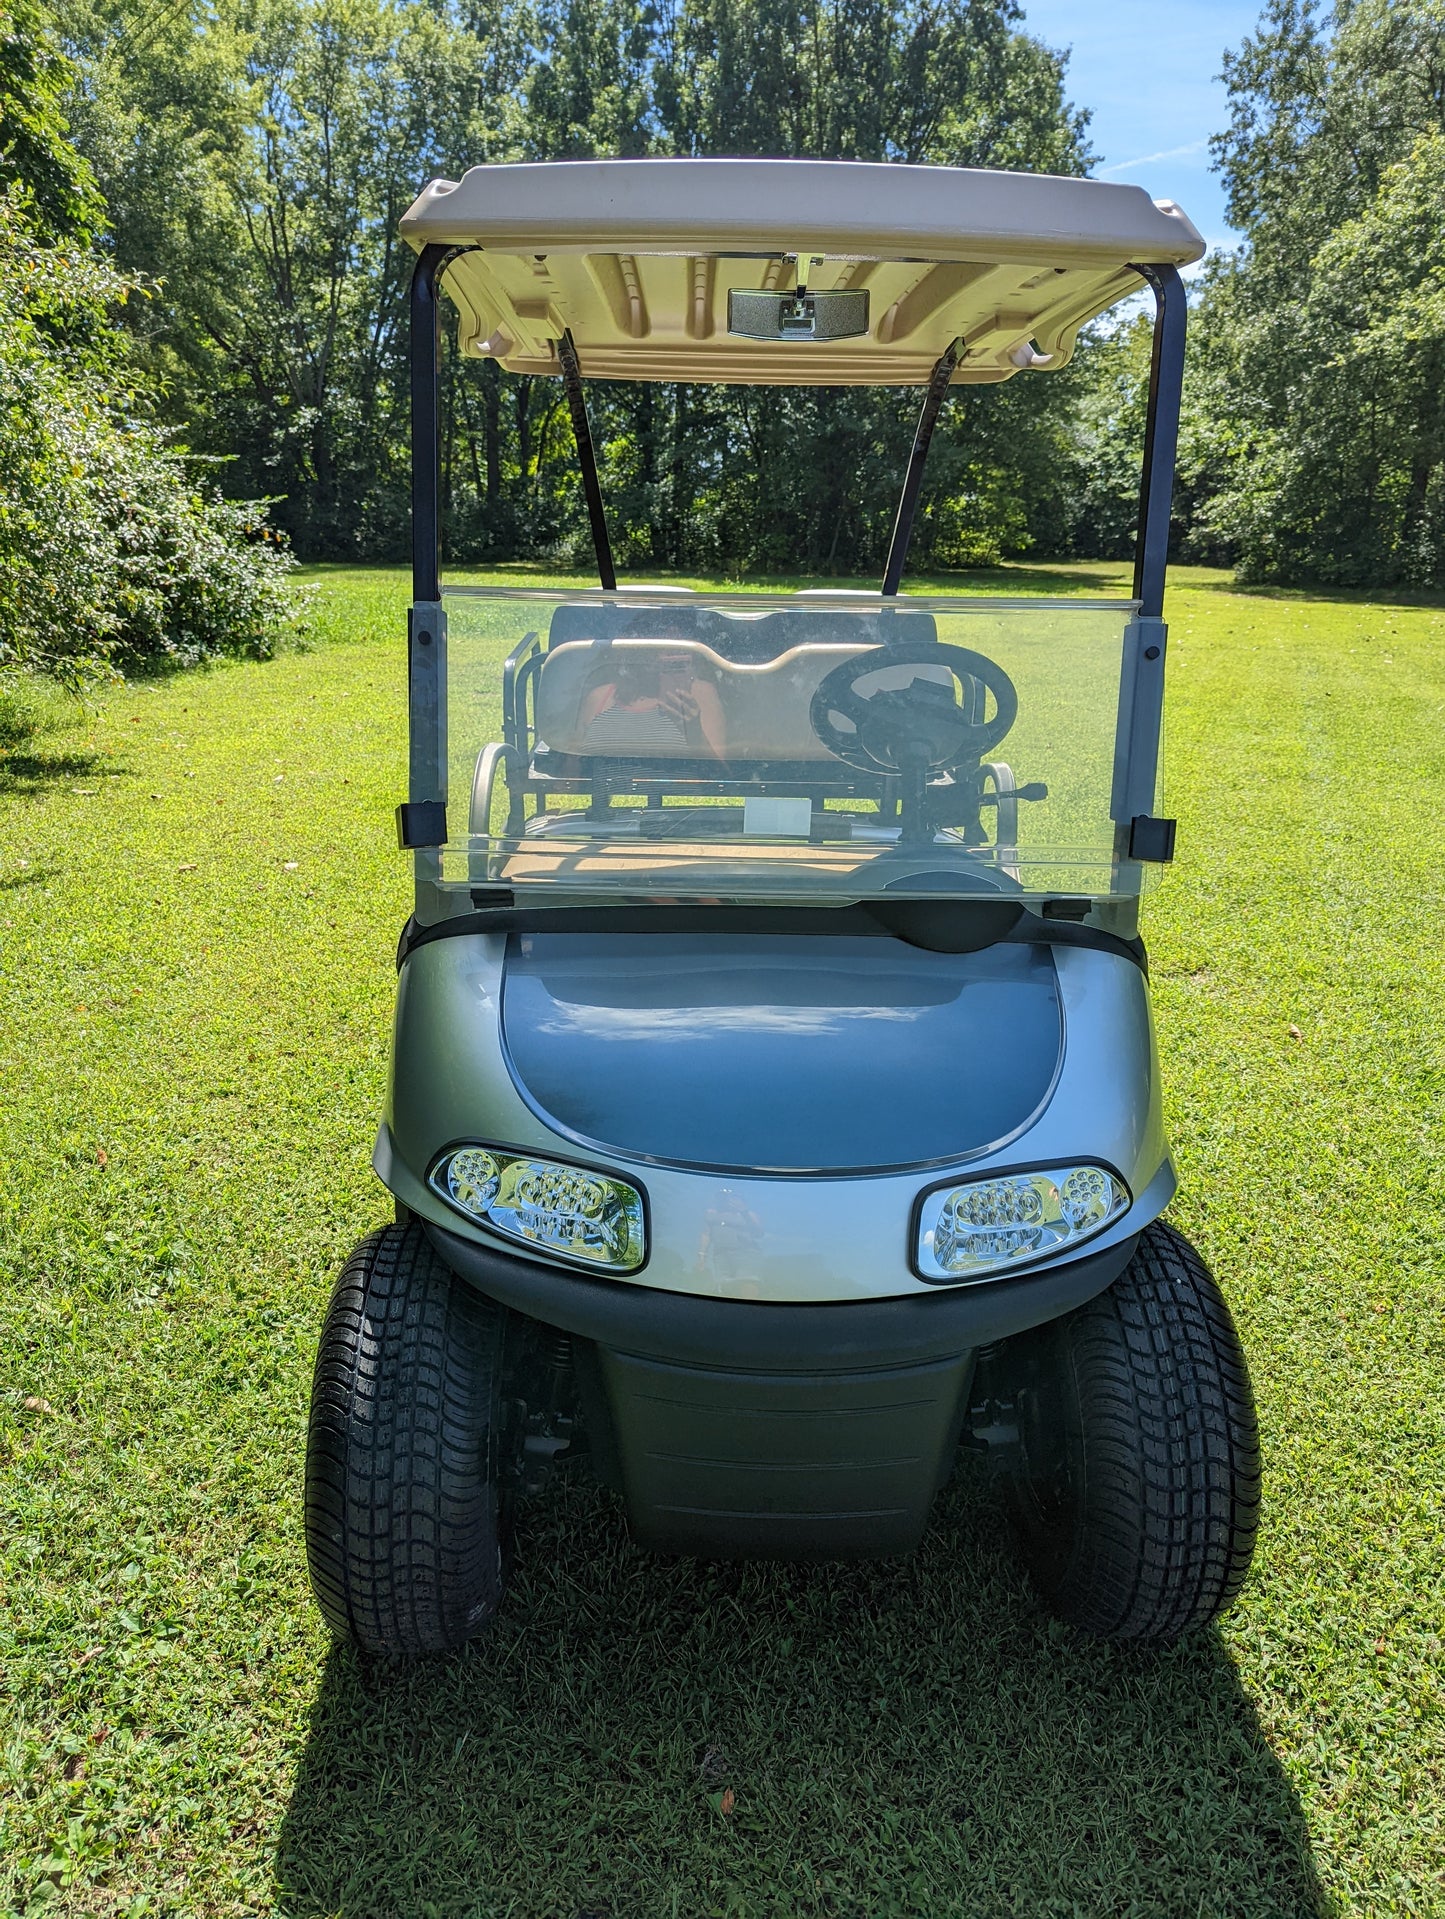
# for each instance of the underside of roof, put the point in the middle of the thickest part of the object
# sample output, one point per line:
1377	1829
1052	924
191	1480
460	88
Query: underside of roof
637	259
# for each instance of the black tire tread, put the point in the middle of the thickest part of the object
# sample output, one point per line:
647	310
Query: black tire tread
402	1532
1167	1507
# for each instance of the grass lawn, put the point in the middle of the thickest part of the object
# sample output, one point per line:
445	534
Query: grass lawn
200	898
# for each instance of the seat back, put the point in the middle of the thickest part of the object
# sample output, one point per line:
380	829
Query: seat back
764	706
607	619
741	635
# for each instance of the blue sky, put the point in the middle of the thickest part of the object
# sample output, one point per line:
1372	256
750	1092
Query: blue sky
1147	71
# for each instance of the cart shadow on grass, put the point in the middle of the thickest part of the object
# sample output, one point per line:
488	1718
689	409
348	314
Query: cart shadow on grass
901	1737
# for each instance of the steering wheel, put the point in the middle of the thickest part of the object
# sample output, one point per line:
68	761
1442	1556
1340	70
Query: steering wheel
917	730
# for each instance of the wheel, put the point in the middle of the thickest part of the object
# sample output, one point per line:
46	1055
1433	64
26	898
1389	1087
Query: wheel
1132	1471
403	1527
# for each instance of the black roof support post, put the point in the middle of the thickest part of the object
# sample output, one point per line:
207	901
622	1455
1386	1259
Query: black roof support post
426	422
421	820
1161	436
586	459
913	479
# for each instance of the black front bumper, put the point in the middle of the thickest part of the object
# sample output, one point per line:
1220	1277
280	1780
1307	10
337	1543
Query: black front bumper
736	1429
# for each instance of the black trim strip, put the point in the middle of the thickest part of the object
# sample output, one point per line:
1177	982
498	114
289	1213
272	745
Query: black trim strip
941	926
727	1334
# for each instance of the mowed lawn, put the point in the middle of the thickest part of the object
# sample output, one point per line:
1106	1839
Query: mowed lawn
199	899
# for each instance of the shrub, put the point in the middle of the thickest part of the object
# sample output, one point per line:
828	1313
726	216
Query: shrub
113	552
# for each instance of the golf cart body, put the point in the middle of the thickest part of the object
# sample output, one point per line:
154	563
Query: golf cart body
773	1045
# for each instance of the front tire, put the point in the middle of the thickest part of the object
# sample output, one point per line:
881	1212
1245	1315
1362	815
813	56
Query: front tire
403	1526
1133	1480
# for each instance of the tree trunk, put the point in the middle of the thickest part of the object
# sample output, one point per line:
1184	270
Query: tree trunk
465	398
647	438
678	492
524	427
492	427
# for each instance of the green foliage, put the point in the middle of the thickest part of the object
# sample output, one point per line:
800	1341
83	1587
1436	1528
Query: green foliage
1315	443
1107	397
870	80
111	553
978	523
585	77
30	707
713	476
259	156
255	157
34	151
258	160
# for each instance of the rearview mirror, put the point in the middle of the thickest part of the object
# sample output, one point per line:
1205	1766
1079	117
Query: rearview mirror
798	315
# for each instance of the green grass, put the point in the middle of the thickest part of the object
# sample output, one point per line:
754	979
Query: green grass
199	900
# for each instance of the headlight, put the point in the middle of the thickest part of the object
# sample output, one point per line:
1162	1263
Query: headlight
572	1210
988	1225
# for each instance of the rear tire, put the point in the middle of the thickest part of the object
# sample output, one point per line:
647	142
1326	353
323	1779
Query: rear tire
403	1529
1134	1481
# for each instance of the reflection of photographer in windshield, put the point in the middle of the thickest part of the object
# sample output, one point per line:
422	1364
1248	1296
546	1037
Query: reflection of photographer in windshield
655	700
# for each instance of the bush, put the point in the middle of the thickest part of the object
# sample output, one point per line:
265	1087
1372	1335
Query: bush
112	553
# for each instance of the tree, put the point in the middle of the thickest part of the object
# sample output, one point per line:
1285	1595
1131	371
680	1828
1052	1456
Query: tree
35	154
870	80
1314	435
111	552
258	160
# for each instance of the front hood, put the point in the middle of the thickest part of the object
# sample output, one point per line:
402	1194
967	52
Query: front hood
772	1053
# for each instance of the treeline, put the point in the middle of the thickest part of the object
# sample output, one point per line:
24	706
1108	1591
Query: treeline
256	156
1316	427
252	159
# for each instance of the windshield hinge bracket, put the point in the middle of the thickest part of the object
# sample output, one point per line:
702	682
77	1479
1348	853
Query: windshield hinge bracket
421	823
1151	840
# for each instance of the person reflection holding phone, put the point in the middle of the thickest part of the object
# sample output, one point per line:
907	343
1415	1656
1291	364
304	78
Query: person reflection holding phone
655	699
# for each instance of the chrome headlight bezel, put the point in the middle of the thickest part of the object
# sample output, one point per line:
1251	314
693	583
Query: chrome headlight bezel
498	1206
1044	1238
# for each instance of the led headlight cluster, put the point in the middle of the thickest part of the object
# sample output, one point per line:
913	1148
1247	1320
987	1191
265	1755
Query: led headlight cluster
988	1225
572	1210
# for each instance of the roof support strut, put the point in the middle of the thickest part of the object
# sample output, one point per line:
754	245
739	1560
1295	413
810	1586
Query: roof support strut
587	460
1161	435
426	413
913	479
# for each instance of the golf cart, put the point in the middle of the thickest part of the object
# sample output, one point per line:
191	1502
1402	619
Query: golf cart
774	1103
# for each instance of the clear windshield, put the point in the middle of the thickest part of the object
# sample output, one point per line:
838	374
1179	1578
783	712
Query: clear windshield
813	748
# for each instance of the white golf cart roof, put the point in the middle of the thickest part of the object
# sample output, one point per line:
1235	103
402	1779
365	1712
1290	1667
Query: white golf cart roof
637	258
